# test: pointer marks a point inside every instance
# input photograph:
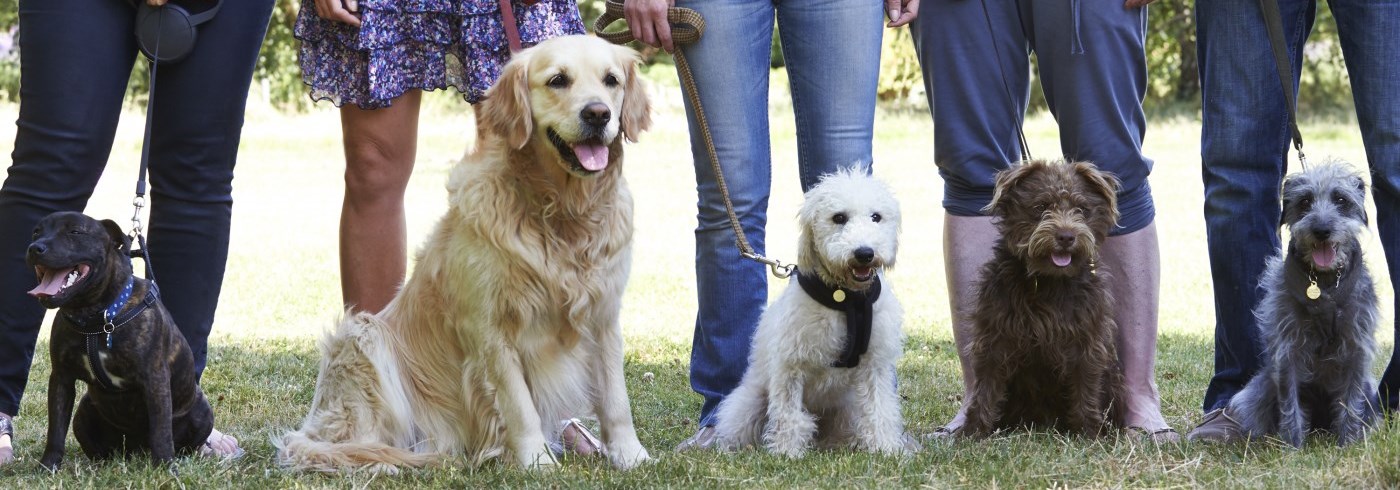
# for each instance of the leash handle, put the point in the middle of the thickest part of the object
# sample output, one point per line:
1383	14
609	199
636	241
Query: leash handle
687	26
1273	22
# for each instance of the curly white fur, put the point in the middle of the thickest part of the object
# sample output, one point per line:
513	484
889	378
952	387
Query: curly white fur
791	396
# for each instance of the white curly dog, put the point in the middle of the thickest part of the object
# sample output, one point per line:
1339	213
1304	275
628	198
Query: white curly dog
822	369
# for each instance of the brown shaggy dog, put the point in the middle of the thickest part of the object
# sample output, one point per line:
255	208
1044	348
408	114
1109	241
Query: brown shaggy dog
509	322
1043	350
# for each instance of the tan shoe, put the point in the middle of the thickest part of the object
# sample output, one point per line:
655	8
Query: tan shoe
1217	427
703	439
575	438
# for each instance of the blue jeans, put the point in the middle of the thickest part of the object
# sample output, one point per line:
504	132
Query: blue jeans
1093	72
76	58
1244	153
832	50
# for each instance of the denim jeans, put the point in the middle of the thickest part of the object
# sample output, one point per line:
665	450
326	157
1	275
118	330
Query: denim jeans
76	57
1244	153
832	52
1093	71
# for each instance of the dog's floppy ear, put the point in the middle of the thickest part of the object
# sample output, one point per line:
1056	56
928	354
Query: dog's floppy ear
1006	180
1289	195
636	107
506	109
119	237
1102	183
1360	185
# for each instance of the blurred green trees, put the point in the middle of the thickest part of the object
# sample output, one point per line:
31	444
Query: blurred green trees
1171	55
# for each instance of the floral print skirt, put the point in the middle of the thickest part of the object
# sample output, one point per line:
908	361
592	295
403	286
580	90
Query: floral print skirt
404	45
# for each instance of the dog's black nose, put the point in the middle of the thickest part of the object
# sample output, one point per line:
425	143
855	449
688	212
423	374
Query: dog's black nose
596	114
1064	238
37	248
864	255
1322	235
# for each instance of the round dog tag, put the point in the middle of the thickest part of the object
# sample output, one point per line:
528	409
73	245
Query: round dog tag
1314	292
838	295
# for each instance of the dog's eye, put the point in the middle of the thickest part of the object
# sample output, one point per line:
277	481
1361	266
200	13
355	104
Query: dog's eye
611	80
839	218
75	231
1305	203
558	81
1340	201
876	217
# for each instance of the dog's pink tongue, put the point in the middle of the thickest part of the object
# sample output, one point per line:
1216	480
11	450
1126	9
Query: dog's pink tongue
1324	257
593	156
51	284
1061	259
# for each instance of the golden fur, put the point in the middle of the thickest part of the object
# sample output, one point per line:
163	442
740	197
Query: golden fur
509	321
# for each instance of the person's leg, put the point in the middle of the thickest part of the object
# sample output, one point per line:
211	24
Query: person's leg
976	107
380	147
832	47
77	57
731	73
1367	31
199	105
1244	140
1094	72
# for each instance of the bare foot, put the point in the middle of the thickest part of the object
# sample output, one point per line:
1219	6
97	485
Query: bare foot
1144	414
221	445
7	430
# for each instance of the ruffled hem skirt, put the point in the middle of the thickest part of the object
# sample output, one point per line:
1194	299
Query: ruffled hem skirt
404	45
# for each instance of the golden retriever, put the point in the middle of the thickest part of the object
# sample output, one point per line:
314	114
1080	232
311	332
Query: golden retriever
509	321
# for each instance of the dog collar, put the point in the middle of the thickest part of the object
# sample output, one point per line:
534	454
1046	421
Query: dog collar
115	315
858	307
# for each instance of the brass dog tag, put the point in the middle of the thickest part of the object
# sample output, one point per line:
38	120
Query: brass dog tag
1314	292
838	295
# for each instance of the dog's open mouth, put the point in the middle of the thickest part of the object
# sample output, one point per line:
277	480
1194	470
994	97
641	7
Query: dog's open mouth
54	282
589	155
1061	258
1324	257
862	273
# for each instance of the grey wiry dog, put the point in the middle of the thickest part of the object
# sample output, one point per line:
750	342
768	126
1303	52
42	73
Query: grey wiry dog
1317	318
1043	348
112	333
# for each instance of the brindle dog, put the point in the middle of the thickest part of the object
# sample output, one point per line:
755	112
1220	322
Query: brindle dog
112	333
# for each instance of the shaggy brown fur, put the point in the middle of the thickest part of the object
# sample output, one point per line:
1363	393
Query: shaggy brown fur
1043	350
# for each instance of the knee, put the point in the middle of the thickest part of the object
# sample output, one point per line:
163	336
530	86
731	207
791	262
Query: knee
376	168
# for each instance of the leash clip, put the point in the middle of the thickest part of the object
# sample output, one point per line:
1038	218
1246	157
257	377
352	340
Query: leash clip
138	202
781	270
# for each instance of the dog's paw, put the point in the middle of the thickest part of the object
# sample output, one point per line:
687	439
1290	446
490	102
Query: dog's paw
627	456
791	449
539	459
51	462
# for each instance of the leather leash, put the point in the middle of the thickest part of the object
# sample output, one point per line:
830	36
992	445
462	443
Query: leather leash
686	28
1273	21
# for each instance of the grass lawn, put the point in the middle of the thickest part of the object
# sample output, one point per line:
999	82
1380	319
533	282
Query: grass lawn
282	290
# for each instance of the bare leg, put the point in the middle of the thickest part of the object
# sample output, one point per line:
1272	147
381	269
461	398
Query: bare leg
1134	269
967	246
380	147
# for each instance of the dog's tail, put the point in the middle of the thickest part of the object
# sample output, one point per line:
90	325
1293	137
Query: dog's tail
360	416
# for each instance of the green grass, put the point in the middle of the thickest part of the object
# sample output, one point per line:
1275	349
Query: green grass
282	290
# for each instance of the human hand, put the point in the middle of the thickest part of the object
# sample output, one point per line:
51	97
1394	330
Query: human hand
647	20
339	10
1132	4
901	12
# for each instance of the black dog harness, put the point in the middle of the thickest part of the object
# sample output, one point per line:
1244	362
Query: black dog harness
858	309
112	318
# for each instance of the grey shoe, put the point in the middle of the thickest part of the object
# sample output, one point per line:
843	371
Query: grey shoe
1217	427
703	439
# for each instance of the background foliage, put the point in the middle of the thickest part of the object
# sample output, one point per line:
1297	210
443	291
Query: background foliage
1171	54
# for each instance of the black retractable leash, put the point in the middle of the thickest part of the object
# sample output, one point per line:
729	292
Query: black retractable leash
1273	21
165	35
1020	118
